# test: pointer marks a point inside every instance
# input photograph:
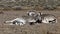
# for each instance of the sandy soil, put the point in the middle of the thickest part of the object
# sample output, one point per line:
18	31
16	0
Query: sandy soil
28	29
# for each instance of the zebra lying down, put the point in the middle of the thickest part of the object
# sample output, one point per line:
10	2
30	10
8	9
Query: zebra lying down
48	18
22	20
33	17
43	18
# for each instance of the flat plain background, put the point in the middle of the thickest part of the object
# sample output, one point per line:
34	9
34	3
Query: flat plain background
28	29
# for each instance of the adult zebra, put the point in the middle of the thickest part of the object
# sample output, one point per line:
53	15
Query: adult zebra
42	18
48	18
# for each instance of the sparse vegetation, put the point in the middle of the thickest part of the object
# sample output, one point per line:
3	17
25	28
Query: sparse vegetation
46	4
14	5
28	29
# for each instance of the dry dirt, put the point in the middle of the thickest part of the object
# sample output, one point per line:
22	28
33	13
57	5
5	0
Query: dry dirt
28	29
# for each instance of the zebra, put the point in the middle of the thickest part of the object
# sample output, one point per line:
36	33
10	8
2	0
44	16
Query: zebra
33	17
22	20
42	17
35	14
16	21
47	18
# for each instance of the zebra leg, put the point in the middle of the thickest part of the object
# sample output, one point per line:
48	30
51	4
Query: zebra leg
11	21
21	24
7	21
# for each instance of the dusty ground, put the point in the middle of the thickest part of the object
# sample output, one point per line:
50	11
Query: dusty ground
28	29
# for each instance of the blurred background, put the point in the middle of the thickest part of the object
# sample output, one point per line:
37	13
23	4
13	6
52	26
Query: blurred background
44	6
29	4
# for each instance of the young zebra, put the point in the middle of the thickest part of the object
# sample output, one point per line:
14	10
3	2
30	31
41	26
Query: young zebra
22	20
17	21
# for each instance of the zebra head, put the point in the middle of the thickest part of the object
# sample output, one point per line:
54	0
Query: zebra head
31	13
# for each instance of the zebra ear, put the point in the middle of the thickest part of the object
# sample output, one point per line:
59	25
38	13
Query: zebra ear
39	13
